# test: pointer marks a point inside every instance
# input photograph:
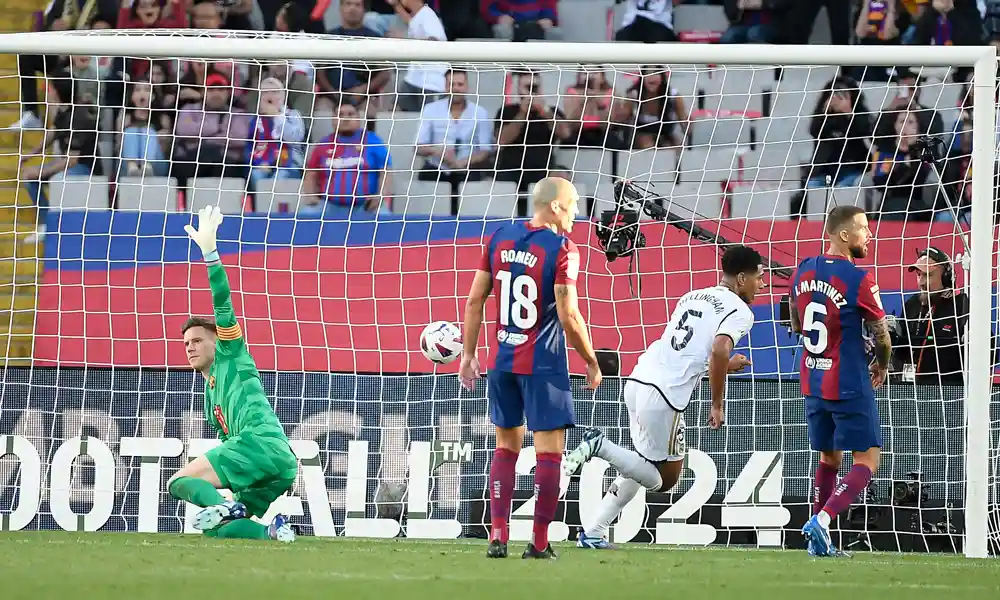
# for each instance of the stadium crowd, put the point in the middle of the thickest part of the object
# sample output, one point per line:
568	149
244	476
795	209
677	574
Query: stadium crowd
318	124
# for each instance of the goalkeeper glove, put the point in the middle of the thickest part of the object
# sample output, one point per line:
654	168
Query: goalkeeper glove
209	219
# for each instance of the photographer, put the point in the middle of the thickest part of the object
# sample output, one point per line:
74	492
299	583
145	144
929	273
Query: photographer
928	337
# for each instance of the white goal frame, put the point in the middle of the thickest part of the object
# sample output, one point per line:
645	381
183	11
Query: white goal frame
983	60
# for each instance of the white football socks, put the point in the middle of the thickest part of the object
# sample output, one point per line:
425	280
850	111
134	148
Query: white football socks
619	495
631	465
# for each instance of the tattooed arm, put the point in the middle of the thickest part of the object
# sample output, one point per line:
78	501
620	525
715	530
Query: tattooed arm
568	307
883	350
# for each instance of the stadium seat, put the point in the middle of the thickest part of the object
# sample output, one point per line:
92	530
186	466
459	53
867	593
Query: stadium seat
694	200
147	193
720	130
704	164
587	166
278	195
227	192
488	198
76	192
398	128
654	165
417	197
759	202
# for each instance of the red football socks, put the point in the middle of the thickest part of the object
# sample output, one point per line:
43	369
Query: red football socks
826	480
501	492
848	491
547	474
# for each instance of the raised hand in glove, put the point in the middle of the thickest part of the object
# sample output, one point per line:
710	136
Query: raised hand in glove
209	219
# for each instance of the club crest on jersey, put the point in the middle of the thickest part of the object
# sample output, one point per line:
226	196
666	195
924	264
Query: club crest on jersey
220	419
211	382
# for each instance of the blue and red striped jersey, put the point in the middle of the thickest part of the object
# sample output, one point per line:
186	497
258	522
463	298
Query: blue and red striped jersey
526	263
350	166
833	298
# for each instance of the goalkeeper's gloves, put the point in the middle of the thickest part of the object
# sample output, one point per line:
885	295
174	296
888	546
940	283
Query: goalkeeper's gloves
209	219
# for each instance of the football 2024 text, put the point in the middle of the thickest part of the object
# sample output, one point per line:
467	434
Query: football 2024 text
752	501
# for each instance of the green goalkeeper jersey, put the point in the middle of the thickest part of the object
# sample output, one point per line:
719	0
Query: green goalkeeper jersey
234	396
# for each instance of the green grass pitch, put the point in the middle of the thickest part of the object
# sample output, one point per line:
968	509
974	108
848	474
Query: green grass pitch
93	566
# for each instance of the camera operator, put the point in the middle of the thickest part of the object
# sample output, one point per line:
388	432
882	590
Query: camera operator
928	337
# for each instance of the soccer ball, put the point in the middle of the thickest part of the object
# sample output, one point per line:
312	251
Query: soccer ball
441	342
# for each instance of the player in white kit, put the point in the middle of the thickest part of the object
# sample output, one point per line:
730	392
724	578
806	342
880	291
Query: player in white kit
705	326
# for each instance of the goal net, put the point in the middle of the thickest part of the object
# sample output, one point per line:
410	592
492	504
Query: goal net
358	190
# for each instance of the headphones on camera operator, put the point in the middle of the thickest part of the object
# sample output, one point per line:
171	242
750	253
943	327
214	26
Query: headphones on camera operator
940	257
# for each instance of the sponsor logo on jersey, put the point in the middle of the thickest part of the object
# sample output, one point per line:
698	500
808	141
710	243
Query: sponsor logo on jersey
514	339
820	364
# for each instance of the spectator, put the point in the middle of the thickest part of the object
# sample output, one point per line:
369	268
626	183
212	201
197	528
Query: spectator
463	19
423	81
928	339
210	14
192	83
842	129
141	146
357	80
802	16
348	168
455	137
877	22
72	140
153	14
522	20
86	79
588	105
164	85
61	15
207	14
957	176
906	19
752	21
649	21
275	136
210	136
382	18
898	171
655	112
991	19
908	98
950	23
528	131
298	75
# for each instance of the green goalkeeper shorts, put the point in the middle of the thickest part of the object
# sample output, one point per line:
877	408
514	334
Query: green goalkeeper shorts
258	466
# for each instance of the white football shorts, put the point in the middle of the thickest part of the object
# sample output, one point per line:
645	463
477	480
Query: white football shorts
657	429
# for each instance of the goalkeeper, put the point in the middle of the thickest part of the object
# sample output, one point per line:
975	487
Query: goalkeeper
254	460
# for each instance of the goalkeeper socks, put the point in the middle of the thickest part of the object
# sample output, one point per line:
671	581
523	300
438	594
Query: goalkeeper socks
826	480
240	529
619	494
547	474
501	492
847	492
196	491
631	465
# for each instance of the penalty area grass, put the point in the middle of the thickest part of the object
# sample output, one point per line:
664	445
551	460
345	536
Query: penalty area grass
98	566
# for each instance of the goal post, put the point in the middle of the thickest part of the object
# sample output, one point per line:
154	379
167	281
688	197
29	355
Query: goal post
378	357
